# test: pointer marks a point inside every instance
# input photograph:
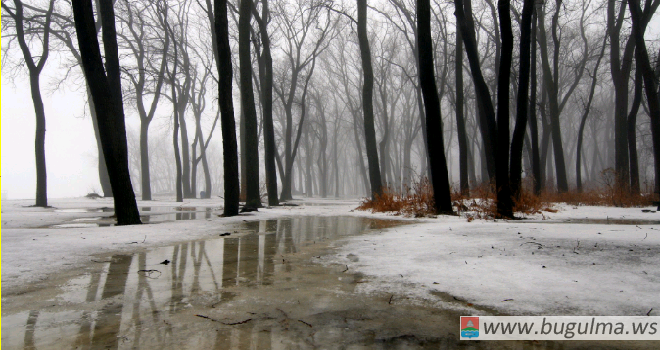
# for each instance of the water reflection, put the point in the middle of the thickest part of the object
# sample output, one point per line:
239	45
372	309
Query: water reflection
109	309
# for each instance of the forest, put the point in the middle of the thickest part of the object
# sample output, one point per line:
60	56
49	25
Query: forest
257	101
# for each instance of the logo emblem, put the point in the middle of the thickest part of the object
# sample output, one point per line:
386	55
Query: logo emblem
469	327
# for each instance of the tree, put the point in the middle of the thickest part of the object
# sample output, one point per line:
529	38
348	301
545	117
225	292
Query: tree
266	82
106	93
496	135
435	140
227	122
299	56
175	114
138	43
585	115
367	100
644	65
35	70
460	117
253	199
523	102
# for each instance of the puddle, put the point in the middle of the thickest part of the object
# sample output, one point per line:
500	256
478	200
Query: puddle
260	287
108	307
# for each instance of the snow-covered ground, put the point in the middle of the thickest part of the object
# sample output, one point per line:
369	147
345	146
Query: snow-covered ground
535	266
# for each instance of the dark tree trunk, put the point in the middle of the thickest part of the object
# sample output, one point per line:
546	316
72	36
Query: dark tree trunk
266	63
230	151
435	145
533	127
632	133
644	64
39	141
106	93
486	111
252	200
551	83
185	152
460	118
585	115
242	152
175	134
144	161
367	101
504	201
104	178
522	106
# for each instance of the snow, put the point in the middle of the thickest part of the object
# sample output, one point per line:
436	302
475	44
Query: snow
542	267
534	266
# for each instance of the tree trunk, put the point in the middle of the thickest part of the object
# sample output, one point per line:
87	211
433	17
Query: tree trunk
585	115
643	64
551	84
104	178
460	119
632	133
367	101
106	93
39	141
230	151
144	161
185	153
533	127
504	200
252	200
267	106
435	145
522	106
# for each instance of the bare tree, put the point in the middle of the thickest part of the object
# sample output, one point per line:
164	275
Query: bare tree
367	100
435	140
35	69
266	82
106	92
141	32
228	124
253	200
644	65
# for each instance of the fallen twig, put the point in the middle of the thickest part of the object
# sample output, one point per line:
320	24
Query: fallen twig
391	297
237	323
225	323
346	269
649	313
305	323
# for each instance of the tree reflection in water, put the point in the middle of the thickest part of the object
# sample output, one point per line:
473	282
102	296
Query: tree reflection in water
134	291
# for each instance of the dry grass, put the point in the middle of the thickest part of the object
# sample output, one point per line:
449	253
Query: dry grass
416	201
480	203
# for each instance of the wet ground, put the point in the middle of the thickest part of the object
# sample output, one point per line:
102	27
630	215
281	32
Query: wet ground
258	285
